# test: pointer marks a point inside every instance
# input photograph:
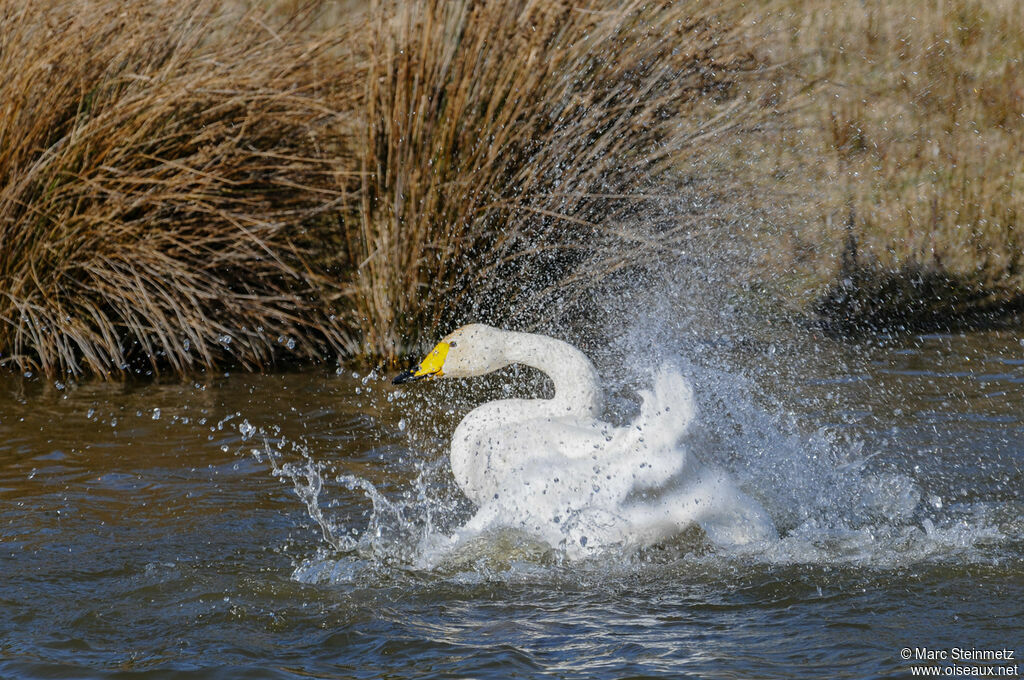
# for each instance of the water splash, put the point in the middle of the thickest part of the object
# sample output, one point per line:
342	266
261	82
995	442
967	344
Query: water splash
830	504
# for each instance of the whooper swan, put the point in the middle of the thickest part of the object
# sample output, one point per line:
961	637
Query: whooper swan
552	468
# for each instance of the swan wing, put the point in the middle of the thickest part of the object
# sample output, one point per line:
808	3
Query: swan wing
650	444
667	410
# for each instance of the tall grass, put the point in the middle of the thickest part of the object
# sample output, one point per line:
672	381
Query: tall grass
158	164
505	142
190	185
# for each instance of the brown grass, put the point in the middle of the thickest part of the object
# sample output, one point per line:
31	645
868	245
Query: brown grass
505	141
504	144
158	165
914	125
184	186
188	186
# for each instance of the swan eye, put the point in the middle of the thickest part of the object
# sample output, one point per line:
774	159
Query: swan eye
451	344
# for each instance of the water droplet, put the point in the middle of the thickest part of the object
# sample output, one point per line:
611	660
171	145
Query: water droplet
401	425
156	414
246	430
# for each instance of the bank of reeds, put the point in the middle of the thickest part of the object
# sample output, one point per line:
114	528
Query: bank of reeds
158	165
507	143
188	185
903	169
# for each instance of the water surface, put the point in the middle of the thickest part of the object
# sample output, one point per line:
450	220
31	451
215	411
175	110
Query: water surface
274	527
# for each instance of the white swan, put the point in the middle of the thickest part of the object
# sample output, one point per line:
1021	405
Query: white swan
551	468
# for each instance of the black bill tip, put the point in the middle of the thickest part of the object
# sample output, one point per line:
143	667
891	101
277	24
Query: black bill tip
404	377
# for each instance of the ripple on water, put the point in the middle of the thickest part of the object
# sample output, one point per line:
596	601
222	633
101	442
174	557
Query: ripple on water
143	548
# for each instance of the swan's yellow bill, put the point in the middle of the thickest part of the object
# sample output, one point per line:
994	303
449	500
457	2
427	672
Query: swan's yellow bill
430	366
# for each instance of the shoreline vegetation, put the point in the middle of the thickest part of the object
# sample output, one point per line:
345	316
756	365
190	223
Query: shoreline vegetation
185	186
901	162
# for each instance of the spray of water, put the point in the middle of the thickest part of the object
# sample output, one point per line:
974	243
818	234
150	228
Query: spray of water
829	501
830	507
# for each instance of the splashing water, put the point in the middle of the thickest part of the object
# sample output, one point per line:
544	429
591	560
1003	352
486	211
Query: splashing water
892	474
823	492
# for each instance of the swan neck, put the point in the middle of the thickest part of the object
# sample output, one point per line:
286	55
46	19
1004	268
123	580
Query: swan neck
577	385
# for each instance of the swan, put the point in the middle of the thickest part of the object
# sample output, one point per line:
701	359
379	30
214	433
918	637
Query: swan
553	468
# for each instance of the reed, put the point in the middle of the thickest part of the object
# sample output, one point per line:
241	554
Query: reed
506	145
191	185
162	166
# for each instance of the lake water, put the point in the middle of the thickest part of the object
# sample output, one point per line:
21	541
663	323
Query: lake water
276	526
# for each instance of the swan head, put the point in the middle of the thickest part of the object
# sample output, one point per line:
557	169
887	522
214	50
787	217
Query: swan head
468	351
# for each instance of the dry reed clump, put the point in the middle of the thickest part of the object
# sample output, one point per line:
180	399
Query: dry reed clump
506	145
186	186
158	162
915	127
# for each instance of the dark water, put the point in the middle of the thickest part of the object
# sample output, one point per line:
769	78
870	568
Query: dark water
145	533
